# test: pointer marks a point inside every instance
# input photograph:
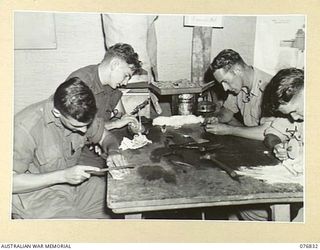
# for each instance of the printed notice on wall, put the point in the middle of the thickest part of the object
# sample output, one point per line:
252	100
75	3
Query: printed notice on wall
203	20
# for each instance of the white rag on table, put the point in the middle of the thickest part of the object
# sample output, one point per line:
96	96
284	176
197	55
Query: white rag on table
177	121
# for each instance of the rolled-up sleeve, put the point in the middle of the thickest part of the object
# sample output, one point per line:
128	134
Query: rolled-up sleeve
278	128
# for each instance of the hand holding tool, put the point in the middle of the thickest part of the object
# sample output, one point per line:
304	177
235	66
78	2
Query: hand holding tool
102	171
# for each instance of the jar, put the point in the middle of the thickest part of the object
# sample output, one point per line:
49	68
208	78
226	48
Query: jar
186	104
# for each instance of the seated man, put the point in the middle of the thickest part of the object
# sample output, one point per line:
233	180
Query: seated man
117	67
245	86
284	97
48	181
120	62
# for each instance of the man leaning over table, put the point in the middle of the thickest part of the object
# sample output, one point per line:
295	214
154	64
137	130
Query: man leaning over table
244	85
48	181
284	97
120	62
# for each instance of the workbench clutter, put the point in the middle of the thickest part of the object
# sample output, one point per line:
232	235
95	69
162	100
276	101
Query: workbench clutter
163	128
186	167
184	96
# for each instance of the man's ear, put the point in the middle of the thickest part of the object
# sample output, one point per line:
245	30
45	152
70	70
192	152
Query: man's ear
114	63
237	69
56	113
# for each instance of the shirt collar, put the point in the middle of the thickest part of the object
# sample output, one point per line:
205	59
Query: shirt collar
50	118
256	83
48	107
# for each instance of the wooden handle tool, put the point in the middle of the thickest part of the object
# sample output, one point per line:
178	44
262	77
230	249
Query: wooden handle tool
222	166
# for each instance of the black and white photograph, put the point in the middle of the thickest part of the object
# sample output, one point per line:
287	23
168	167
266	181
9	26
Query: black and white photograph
159	117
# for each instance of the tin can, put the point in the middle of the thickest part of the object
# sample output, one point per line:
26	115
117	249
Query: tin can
186	104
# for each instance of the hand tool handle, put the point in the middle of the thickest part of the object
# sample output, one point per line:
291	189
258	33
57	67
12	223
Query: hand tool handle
226	168
223	166
140	106
102	170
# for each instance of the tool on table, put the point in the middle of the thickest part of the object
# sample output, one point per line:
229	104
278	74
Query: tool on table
102	171
202	147
180	163
221	165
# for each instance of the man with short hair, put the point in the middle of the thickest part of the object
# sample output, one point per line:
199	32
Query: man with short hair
284	98
285	95
245	86
117	67
48	181
115	70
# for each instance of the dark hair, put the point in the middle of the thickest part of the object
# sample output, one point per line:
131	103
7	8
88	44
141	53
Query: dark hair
125	52
226	59
282	87
73	98
217	88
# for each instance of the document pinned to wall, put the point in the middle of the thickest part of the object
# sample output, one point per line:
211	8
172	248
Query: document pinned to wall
203	21
34	30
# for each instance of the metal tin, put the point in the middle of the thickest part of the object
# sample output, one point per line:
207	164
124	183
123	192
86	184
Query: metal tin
206	108
186	104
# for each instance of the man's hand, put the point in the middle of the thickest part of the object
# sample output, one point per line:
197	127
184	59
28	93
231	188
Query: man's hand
134	129
123	121
211	120
281	151
219	129
77	174
116	159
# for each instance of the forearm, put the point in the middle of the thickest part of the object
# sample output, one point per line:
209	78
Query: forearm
256	133
110	125
120	123
235	122
23	183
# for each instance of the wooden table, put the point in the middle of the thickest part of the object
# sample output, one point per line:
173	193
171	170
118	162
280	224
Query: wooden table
202	184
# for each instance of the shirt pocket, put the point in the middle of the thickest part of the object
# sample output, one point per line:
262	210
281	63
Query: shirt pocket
76	149
50	159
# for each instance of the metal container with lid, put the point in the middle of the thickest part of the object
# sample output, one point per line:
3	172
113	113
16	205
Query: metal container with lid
206	108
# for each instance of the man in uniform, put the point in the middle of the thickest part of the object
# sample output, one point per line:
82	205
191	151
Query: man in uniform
115	70
245	85
48	181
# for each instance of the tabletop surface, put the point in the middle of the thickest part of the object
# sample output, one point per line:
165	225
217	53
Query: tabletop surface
156	184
